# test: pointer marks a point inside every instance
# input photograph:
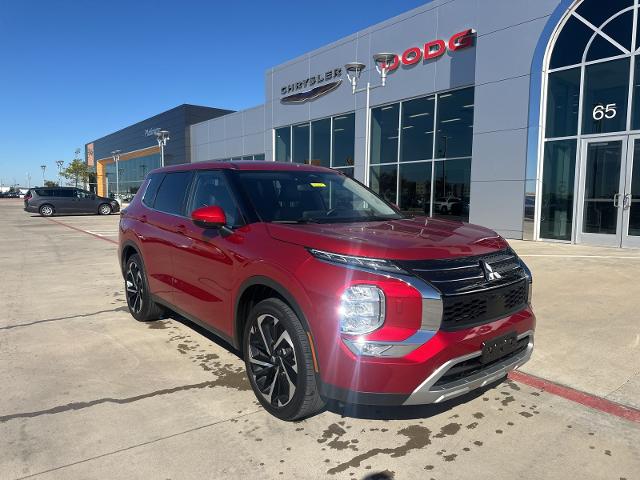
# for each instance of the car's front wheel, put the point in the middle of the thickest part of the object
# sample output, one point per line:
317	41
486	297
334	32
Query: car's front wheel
104	209
139	300
279	361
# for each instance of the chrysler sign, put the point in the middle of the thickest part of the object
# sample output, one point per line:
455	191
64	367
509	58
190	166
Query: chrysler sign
323	83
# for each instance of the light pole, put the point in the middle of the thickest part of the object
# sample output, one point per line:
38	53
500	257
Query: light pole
116	159
59	163
162	137
29	179
43	167
383	62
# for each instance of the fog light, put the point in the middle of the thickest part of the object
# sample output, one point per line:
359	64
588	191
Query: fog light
361	309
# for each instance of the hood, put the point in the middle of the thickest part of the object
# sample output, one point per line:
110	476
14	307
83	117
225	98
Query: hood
416	238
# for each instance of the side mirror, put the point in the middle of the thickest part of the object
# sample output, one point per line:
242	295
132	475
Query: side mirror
209	217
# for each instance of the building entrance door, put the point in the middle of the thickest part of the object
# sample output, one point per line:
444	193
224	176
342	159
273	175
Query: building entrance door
609	199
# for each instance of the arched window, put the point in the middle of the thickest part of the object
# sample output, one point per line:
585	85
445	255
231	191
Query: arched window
590	66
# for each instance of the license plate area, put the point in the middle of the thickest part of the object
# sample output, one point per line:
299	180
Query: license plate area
499	347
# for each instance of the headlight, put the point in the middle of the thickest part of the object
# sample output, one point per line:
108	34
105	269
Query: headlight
361	309
362	262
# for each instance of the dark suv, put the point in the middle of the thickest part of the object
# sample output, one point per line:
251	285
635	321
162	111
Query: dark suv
328	291
60	200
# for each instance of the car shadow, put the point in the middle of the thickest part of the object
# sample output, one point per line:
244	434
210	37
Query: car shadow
366	412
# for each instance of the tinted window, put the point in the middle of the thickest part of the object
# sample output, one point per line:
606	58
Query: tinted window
301	143
344	127
454	133
66	193
260	156
606	90
602	48
283	144
415	188
171	194
321	142
417	129
562	103
384	181
620	29
597	11
452	189
556	212
43	192
571	43
152	189
384	134
211	188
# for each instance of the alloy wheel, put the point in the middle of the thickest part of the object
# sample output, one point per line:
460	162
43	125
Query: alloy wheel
47	211
272	360
105	209
134	287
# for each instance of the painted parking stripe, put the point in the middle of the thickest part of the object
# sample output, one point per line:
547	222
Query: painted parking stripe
83	231
586	399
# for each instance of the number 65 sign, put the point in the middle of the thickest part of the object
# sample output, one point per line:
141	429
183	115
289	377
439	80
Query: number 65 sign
601	111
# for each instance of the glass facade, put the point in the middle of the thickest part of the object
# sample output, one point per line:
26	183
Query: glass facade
589	127
421	153
328	142
131	175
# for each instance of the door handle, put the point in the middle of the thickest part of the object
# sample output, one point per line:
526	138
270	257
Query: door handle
143	219
626	203
616	200
181	229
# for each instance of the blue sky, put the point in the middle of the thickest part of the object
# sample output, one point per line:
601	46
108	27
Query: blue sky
73	71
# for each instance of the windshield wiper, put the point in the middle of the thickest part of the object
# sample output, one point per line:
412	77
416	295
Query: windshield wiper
300	221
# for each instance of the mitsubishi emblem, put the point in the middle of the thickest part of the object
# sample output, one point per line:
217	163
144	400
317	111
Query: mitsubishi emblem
489	273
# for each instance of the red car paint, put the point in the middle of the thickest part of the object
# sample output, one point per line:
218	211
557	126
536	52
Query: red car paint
202	276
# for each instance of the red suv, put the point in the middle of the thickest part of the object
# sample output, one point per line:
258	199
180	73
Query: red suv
328	291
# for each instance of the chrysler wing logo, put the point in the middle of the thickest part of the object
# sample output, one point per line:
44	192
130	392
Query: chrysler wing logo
489	273
311	94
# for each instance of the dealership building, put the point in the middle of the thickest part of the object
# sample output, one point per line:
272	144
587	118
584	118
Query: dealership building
520	115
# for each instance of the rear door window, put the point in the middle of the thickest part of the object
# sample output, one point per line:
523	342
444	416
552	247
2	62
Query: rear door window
150	193
172	193
65	192
43	192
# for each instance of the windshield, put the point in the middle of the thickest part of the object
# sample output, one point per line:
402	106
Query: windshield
318	197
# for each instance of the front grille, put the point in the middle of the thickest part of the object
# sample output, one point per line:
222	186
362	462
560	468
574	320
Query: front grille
474	365
470	295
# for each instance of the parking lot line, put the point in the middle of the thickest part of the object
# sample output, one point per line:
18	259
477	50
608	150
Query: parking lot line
106	239
588	400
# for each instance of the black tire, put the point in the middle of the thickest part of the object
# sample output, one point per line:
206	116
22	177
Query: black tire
136	289
46	210
274	318
105	209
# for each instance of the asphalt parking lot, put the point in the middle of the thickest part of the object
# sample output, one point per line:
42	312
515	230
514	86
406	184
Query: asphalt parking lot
88	392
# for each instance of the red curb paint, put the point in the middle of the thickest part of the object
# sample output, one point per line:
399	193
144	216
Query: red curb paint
588	400
83	231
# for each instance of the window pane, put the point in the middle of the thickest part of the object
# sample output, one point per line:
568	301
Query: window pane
602	183
556	214
634	208
384	134
321	142
454	136
152	189
602	48
211	188
605	97
415	188
301	143
172	192
621	28
597	11
635	118
259	156
572	41
562	103
452	188
416	141
344	132
283	144
384	181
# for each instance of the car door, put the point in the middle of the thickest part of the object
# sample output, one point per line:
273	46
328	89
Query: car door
83	202
204	267
159	232
63	200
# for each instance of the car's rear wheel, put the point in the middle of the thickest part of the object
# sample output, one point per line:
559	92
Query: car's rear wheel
46	210
279	361
141	306
104	209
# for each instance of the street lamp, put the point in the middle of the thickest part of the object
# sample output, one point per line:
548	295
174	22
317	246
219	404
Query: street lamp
162	137
383	63
59	163
43	167
116	158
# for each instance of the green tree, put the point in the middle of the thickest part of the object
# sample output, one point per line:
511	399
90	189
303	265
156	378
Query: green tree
78	171
50	183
